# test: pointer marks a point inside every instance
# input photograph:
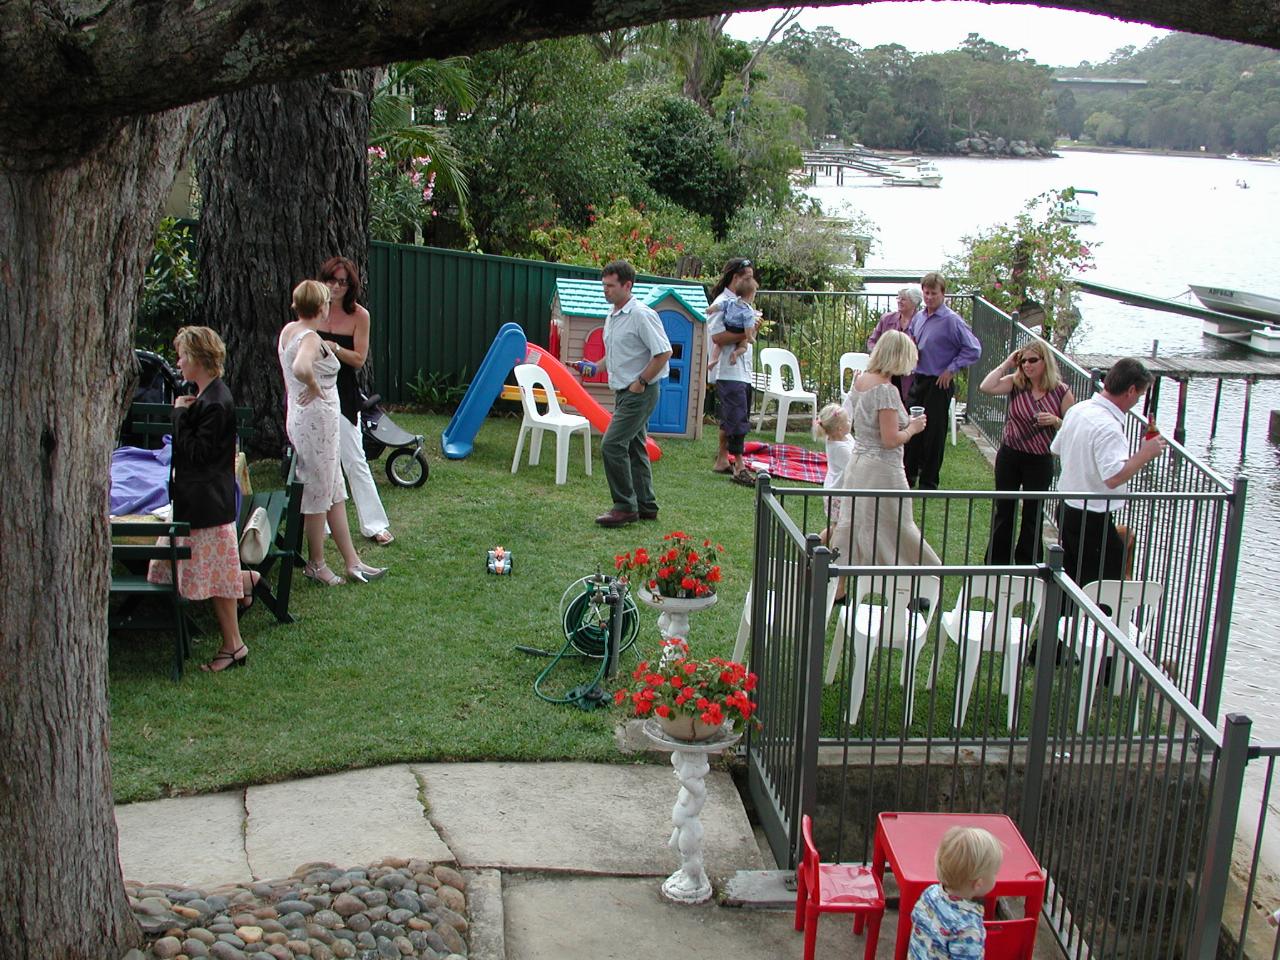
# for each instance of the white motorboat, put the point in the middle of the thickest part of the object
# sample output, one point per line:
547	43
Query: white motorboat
920	173
1074	212
1255	306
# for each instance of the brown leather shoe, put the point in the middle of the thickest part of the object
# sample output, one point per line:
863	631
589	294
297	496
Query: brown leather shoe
617	518
648	514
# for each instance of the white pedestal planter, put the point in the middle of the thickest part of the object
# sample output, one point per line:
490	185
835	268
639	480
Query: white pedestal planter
689	884
673	612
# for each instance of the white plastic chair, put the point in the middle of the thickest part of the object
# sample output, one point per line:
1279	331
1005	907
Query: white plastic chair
777	363
1125	598
1001	629
530	376
789	569
851	363
951	414
889	626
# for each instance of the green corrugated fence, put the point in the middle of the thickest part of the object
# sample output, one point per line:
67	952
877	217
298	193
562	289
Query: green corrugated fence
436	311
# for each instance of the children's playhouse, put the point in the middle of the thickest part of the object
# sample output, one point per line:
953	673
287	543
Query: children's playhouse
578	312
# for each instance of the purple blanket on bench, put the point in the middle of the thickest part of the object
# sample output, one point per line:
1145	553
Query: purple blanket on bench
140	479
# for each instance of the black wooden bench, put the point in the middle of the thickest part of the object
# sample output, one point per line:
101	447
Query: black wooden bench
130	587
284	514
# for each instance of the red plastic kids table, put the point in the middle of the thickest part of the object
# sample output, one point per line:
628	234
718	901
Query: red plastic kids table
909	842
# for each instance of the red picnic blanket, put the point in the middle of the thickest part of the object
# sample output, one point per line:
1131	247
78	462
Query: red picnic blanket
786	460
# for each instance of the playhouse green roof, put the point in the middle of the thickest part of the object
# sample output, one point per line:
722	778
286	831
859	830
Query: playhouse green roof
585	298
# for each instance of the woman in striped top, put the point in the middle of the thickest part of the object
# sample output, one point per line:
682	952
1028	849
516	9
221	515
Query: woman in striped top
1038	399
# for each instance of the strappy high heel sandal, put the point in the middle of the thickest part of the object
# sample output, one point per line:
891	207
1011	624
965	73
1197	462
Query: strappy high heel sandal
363	573
322	575
225	661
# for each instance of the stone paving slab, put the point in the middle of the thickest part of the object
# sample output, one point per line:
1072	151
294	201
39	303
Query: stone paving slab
348	819
623	918
580	817
627	917
194	841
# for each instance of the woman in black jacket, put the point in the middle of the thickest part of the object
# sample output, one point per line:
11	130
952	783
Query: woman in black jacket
203	490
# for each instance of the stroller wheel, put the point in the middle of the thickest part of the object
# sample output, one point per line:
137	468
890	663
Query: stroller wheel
407	468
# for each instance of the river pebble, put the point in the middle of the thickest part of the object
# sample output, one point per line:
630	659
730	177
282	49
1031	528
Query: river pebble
397	909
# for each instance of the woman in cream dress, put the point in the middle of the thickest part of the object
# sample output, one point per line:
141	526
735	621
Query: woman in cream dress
874	530
310	371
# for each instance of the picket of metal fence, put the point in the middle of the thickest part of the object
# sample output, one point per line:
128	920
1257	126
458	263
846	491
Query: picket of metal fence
880	701
819	326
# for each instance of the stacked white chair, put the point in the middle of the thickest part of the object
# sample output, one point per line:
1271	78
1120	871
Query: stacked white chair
851	364
1127	599
791	571
530	377
778	364
900	621
1005	628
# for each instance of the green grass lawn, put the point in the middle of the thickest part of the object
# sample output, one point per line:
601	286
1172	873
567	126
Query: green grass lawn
421	666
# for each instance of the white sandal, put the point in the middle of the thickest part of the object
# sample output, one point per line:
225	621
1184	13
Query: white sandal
363	573
383	538
322	575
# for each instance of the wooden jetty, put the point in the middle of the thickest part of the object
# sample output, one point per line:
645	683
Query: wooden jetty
1185	369
836	162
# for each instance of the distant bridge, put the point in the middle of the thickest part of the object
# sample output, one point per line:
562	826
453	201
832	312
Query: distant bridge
1106	83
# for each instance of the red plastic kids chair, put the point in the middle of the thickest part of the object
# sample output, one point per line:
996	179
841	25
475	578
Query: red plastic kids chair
1011	939
835	888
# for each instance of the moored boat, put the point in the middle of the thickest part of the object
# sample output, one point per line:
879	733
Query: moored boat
1236	302
921	173
1073	211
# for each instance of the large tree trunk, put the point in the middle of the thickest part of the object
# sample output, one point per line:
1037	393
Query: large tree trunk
284	177
74	243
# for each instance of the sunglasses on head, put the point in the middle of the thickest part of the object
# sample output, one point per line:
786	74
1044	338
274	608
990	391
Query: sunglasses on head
743	264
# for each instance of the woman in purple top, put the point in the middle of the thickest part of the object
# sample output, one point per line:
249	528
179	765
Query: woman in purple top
1038	400
909	300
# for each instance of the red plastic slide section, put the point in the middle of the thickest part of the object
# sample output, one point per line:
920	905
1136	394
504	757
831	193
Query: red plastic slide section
563	379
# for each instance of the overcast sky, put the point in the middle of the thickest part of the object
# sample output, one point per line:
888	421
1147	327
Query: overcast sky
1052	37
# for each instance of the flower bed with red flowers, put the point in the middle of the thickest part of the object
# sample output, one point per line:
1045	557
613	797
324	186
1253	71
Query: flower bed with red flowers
677	567
713	690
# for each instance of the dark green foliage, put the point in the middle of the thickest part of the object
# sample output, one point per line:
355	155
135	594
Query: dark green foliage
169	292
542	142
682	153
891	98
1207	93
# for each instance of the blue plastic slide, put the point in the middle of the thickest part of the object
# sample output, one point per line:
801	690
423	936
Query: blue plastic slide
508	349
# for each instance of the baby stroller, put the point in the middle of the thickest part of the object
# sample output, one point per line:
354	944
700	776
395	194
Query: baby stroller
157	383
407	466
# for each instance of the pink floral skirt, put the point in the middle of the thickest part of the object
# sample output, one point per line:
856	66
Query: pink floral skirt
214	567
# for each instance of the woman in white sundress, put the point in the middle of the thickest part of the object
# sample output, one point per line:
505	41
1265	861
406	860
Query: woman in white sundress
310	372
874	530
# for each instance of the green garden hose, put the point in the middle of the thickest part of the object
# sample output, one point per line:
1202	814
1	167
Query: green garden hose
584	618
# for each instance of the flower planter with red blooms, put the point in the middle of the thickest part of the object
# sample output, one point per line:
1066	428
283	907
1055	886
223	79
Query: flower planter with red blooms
692	699
677	568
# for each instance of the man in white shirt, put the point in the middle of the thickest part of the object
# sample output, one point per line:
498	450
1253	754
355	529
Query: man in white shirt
636	351
1095	459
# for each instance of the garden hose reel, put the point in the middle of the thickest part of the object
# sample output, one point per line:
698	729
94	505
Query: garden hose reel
600	620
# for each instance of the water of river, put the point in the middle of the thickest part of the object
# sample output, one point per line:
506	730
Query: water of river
1162	223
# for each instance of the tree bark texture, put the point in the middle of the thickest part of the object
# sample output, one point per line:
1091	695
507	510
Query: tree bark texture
67	70
283	174
74	244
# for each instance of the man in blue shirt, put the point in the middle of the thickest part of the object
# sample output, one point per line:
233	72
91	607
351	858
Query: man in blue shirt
946	346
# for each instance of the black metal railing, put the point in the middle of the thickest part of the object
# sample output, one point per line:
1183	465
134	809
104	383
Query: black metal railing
905	695
819	326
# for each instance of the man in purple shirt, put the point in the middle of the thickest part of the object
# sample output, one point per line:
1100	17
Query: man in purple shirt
947	346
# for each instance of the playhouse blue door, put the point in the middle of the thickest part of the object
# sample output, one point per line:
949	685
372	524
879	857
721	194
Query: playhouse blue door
672	414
